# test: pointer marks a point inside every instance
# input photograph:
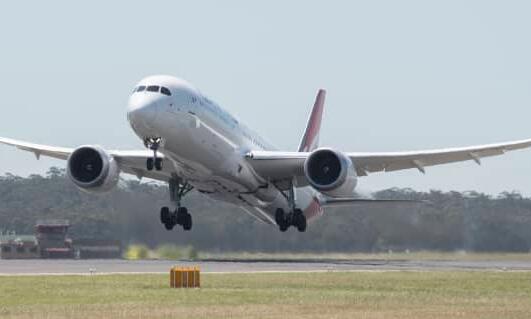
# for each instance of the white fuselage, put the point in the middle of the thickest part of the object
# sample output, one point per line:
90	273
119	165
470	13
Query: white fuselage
206	146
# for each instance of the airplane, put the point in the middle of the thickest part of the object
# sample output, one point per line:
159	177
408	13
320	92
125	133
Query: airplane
192	143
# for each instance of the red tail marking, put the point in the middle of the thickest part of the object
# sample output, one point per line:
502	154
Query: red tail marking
310	140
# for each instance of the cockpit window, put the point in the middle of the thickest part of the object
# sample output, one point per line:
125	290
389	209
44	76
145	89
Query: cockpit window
153	88
165	91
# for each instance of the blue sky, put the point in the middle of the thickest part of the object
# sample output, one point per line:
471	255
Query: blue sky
400	75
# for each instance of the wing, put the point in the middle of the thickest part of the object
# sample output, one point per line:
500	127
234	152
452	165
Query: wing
131	162
394	161
280	166
38	150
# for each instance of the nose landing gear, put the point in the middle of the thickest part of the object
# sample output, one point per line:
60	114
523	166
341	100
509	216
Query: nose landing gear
153	143
155	163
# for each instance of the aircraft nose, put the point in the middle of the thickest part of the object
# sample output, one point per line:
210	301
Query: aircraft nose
142	111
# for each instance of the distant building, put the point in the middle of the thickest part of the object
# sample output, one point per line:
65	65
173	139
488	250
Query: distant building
14	246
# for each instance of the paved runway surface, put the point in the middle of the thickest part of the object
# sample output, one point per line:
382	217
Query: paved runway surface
39	266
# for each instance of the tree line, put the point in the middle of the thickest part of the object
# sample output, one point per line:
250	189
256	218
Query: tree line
449	221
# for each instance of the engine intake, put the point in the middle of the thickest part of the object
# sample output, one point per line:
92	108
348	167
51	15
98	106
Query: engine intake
92	169
331	172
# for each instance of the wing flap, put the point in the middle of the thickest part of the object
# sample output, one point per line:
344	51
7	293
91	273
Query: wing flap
279	166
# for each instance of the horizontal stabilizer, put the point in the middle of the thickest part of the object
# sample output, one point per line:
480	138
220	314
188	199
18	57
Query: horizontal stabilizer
341	202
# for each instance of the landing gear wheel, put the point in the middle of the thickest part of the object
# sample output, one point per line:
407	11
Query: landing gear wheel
165	216
158	164
183	218
187	225
299	220
301	227
295	219
169	225
279	216
181	215
149	164
280	219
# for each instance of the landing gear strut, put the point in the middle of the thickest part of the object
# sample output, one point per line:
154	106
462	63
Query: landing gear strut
180	216
295	217
153	143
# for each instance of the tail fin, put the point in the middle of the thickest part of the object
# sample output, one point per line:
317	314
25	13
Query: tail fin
310	139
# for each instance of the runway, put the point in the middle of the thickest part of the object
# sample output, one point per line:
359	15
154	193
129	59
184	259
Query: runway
118	266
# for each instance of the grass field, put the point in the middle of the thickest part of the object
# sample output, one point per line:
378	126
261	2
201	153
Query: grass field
272	295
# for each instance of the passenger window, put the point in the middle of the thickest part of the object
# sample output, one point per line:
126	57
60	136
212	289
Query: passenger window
141	88
165	91
153	88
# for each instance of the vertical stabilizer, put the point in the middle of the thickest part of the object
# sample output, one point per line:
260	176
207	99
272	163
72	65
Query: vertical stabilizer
310	139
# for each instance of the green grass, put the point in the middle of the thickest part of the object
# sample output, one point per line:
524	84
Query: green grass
272	295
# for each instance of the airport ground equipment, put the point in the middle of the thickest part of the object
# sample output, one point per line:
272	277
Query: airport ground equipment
52	238
13	246
185	277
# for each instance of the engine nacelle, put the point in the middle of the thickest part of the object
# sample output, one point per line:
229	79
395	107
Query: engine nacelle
92	169
331	173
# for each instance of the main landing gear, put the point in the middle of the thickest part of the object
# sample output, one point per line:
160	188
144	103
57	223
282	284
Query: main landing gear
294	218
180	216
153	143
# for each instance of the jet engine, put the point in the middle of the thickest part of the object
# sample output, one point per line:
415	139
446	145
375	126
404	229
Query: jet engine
331	173
92	169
